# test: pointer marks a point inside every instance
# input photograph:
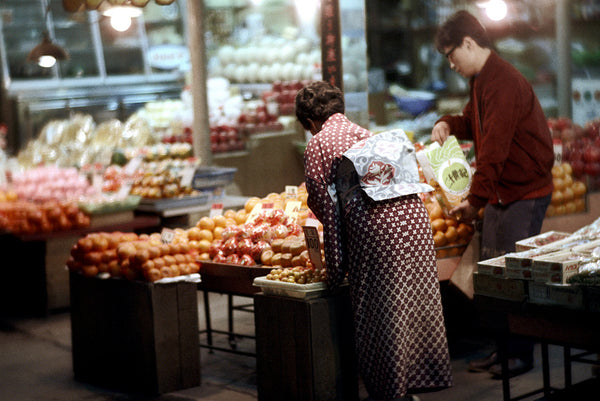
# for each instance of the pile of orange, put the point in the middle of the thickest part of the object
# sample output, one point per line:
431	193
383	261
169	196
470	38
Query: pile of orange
568	195
449	235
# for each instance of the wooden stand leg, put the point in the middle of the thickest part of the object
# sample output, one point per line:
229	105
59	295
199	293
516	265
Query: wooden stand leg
207	318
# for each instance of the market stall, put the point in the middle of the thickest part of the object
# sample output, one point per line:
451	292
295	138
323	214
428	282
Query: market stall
548	291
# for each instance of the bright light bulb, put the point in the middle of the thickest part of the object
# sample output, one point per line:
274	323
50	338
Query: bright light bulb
46	61
496	10
307	8
120	22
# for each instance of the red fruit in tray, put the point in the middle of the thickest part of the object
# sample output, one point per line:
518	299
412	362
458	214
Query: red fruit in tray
234	259
246	260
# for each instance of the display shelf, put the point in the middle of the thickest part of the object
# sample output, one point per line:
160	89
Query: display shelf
35	279
229	202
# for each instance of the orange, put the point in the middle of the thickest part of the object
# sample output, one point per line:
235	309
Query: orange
436	212
241	216
557	198
220	221
568	194
451	222
439	239
204	245
229	213
205	235
558	171
250	203
206	223
439	225
218	232
194	233
451	234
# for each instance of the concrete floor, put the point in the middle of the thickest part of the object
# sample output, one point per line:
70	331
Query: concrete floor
35	364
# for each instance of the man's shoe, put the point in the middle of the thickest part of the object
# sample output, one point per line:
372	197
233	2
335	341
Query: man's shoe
483	364
516	366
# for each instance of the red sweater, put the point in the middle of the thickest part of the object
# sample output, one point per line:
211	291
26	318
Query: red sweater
513	145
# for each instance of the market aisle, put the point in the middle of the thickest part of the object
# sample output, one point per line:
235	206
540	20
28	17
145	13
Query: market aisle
36	365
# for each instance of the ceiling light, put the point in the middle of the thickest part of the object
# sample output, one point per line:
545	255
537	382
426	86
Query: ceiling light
46	53
120	16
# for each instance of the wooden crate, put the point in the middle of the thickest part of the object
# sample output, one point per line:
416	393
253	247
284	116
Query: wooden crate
135	336
305	348
229	278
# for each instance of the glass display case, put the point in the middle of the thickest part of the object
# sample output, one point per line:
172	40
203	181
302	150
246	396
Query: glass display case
108	74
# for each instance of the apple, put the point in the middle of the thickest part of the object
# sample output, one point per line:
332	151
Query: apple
591	154
592	169
578	167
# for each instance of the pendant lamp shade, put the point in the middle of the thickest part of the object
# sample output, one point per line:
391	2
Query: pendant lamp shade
47	48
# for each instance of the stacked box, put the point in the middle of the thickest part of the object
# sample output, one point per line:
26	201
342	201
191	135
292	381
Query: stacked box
540	240
499	287
556	267
492	267
570	296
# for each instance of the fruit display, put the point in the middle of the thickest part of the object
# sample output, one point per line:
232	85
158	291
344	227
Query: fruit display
568	195
161	180
297	275
450	236
246	244
46	183
261	115
132	256
581	148
268	59
26	217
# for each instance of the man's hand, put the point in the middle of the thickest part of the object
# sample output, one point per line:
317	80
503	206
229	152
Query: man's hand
464	212
440	132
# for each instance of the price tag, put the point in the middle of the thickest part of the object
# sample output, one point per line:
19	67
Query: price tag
167	235
311	220
187	176
131	167
124	190
259	208
313	243
291	191
97	182
254	213
292	208
558	151
216	210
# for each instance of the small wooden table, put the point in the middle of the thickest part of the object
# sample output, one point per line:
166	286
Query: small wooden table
548	324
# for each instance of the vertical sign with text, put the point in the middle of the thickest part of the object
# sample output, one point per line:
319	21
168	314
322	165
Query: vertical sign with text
331	48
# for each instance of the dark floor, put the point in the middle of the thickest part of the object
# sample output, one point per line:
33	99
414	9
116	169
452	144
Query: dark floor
35	362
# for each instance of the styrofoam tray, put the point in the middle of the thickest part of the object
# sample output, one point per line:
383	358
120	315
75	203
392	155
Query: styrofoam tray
292	290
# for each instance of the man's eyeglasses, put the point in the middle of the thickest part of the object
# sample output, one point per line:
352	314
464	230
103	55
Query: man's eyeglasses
449	53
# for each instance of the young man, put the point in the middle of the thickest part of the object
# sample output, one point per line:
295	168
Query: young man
513	148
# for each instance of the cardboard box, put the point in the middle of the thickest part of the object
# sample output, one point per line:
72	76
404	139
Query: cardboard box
540	240
519	274
556	267
570	296
135	336
499	287
492	267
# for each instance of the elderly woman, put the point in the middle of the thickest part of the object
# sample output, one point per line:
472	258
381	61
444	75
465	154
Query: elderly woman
385	249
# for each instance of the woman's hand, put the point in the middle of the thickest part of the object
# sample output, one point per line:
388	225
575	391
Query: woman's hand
440	132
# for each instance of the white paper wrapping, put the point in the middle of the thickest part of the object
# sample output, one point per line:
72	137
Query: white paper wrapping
387	166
